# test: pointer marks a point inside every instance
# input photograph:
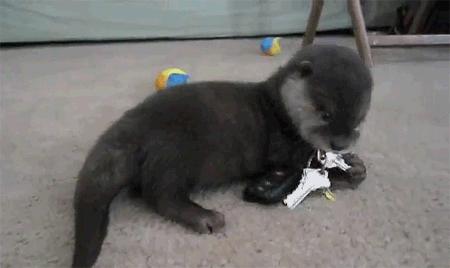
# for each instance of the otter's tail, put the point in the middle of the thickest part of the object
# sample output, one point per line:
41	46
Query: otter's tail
96	188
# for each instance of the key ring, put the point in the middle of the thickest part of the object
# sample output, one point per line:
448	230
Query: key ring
320	155
322	158
308	165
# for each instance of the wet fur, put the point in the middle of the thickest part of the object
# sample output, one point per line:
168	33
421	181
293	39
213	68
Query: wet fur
201	135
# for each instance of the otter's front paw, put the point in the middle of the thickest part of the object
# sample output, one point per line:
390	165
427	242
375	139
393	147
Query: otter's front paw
352	177
208	221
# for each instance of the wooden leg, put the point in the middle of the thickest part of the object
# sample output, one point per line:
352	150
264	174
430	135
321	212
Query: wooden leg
359	28
420	16
409	40
313	21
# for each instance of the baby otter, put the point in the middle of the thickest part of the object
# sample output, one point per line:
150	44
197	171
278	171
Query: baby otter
201	135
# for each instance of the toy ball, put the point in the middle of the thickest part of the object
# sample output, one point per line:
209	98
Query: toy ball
271	46
171	77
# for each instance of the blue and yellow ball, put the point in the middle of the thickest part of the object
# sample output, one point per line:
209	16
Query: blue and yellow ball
171	77
271	46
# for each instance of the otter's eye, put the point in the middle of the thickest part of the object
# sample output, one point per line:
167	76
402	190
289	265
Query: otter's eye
325	116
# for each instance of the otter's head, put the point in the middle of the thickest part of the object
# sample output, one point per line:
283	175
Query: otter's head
326	91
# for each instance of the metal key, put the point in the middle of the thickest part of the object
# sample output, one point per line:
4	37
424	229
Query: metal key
333	160
312	179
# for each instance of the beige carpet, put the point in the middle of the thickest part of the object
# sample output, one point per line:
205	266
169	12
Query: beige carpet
55	101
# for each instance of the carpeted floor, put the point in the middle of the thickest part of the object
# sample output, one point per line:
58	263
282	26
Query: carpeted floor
56	100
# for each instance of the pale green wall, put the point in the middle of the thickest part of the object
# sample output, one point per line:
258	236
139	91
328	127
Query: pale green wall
46	20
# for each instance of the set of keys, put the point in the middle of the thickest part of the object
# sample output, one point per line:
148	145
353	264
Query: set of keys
316	178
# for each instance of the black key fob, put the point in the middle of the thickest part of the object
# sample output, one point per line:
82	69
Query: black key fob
271	188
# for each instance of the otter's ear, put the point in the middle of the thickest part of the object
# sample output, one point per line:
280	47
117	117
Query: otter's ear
305	68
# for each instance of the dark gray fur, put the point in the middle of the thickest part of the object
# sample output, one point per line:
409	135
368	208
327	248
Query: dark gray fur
201	135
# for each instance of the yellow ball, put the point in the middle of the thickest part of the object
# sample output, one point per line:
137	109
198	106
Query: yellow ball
171	77
271	46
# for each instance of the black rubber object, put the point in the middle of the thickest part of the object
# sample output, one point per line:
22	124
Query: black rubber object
271	189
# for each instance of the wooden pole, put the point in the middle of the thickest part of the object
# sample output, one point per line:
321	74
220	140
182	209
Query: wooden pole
421	16
359	28
313	22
